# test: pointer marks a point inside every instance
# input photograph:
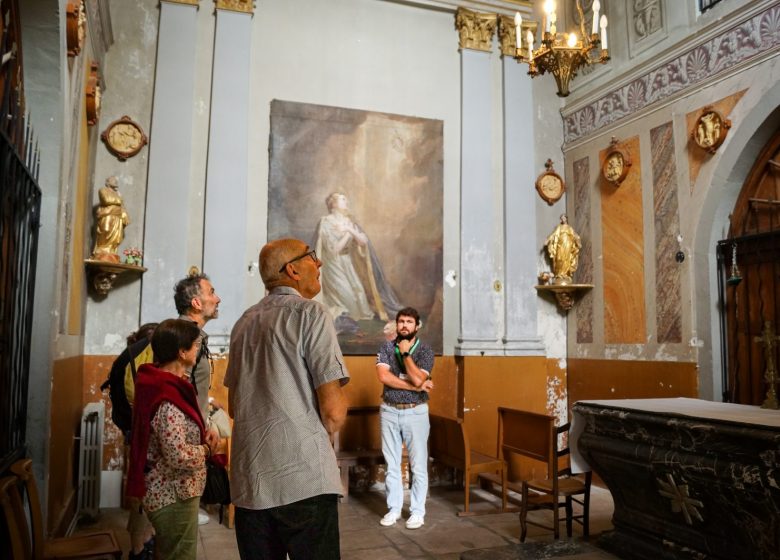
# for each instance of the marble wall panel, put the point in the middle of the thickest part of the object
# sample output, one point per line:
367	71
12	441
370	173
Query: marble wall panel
582	226
623	253
668	306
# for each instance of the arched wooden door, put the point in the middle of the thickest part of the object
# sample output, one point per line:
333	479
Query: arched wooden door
753	301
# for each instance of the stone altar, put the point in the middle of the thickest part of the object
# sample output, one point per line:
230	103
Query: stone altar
689	478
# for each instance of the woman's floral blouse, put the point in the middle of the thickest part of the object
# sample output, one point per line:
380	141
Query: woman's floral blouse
176	459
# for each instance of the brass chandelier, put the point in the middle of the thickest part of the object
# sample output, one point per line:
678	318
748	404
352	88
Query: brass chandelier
562	54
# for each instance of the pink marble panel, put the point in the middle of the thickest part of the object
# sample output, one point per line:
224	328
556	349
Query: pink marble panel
668	306
584	273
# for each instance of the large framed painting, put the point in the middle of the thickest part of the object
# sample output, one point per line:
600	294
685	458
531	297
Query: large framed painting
365	190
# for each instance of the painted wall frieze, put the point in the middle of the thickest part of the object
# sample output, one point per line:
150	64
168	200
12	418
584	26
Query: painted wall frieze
735	46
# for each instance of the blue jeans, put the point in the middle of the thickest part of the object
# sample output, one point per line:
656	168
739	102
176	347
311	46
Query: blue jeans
410	427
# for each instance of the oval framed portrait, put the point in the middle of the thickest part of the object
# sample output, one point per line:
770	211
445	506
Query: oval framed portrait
124	138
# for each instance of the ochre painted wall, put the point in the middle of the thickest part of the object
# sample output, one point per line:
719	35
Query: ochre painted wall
623	379
533	383
66	408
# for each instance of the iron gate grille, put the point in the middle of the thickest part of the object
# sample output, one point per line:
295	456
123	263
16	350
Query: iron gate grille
20	207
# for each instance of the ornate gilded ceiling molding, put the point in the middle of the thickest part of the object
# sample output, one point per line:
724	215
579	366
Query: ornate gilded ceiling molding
188	2
507	37
475	29
243	6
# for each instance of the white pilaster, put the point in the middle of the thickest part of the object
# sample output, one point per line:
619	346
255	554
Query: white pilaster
167	224
224	245
521	337
479	301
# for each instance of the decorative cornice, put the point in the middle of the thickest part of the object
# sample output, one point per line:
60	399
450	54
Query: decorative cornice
188	2
506	7
506	33
735	46
475	29
243	6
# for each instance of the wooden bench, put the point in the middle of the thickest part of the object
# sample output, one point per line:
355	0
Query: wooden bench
356	443
449	445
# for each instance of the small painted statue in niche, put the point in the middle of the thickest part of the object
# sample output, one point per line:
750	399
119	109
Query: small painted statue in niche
111	220
563	247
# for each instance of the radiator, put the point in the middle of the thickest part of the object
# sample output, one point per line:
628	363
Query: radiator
91	458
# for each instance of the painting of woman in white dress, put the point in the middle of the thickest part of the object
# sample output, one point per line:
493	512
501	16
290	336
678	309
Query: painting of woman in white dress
365	190
354	287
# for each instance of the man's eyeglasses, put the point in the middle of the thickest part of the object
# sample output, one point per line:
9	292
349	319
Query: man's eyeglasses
312	254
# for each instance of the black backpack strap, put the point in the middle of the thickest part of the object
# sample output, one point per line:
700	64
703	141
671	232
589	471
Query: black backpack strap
204	351
132	364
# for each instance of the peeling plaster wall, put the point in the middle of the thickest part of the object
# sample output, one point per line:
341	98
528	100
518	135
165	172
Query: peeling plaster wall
129	83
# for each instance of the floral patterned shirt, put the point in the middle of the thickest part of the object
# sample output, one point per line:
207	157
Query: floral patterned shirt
176	459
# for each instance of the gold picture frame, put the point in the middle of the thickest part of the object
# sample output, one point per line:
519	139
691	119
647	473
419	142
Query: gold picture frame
124	138
93	95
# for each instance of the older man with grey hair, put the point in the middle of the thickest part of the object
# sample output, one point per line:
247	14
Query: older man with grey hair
285	377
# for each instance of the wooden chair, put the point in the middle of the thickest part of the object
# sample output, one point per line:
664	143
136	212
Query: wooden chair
449	445
535	436
83	545
10	503
358	419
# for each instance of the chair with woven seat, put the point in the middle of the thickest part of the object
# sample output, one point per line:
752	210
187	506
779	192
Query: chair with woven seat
535	436
82	546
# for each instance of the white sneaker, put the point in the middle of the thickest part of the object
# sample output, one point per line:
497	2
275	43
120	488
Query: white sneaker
389	519
203	518
415	521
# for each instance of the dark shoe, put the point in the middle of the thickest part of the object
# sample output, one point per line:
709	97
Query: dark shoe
146	554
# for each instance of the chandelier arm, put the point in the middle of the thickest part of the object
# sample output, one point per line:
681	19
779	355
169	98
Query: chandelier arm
585	40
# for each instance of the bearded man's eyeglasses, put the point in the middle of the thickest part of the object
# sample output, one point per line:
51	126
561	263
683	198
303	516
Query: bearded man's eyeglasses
312	254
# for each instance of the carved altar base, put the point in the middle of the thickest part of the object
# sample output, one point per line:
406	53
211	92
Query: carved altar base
690	479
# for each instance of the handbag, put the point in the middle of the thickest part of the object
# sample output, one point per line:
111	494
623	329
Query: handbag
217	490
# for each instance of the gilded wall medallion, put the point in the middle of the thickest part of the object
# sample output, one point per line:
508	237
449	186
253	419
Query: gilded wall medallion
124	138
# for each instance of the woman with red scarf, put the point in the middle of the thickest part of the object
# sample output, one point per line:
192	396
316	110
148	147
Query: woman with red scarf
169	449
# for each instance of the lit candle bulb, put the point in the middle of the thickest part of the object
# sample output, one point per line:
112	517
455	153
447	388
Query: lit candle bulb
596	8
571	41
603	25
549	7
529	38
553	21
518	29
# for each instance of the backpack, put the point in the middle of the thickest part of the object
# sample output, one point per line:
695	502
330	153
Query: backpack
121	382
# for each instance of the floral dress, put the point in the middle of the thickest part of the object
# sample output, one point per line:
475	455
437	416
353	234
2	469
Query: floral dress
176	459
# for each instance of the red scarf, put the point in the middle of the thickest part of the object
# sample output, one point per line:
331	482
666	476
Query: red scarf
154	386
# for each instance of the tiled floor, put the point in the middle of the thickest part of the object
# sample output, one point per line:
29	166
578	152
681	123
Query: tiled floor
444	536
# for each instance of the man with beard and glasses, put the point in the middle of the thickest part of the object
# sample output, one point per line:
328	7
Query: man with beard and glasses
403	366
